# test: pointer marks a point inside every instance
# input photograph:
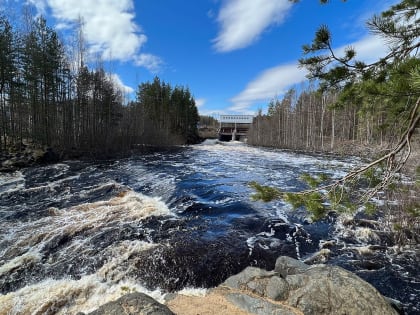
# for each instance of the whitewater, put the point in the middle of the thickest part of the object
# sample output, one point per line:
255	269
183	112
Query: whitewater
77	234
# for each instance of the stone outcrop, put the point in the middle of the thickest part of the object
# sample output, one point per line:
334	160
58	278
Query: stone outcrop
292	288
295	288
133	304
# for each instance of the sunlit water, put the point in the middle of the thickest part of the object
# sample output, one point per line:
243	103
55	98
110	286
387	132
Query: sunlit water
77	234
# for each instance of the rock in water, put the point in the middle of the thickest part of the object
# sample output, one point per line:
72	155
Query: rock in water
294	288
133	304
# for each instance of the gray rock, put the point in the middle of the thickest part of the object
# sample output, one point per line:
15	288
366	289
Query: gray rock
277	289
296	281
319	257
133	304
260	282
332	290
258	286
289	266
241	280
397	305
311	290
258	306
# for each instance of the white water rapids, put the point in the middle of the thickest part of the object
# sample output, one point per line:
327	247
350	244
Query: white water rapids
77	234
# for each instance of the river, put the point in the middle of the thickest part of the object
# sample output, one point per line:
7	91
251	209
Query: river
77	234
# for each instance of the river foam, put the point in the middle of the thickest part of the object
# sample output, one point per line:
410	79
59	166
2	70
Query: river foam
11	182
70	239
70	296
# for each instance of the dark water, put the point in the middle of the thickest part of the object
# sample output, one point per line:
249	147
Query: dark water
77	234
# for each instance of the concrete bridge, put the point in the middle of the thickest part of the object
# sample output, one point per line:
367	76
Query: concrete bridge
234	127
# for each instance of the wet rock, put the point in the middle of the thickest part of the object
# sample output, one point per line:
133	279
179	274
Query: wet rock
319	257
327	244
49	156
133	304
369	264
371	224
397	305
289	266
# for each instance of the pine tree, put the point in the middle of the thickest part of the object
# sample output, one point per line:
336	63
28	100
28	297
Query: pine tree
386	86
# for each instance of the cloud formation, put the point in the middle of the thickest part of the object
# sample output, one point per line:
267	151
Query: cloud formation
368	49
150	62
199	102
118	83
109	27
275	81
242	21
268	84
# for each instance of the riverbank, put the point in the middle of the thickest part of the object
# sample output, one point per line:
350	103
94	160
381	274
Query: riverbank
365	152
32	155
292	288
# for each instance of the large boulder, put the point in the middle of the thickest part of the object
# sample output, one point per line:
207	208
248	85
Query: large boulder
133	304
294	288
332	290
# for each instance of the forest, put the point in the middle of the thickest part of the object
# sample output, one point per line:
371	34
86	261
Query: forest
50	96
345	121
350	106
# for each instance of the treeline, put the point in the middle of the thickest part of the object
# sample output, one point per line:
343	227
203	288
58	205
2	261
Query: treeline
162	115
51	98
208	122
355	103
370	113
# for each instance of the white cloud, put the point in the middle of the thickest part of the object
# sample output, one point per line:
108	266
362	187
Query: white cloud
109	27
268	84
39	5
199	102
242	21
368	49
214	112
276	80
118	83
150	62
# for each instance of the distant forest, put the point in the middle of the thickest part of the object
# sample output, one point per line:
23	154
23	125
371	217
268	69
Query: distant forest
52	98
353	105
339	120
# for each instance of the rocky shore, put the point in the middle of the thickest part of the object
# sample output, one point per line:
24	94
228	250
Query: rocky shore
28	156
292	288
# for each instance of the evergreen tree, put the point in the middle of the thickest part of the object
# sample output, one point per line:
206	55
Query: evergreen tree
386	86
376	104
49	101
7	80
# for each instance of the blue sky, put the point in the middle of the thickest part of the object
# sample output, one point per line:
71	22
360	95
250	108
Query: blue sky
234	55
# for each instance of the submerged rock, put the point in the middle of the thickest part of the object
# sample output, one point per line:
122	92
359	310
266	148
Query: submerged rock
133	304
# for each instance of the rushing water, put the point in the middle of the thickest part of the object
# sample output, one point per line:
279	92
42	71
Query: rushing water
77	234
